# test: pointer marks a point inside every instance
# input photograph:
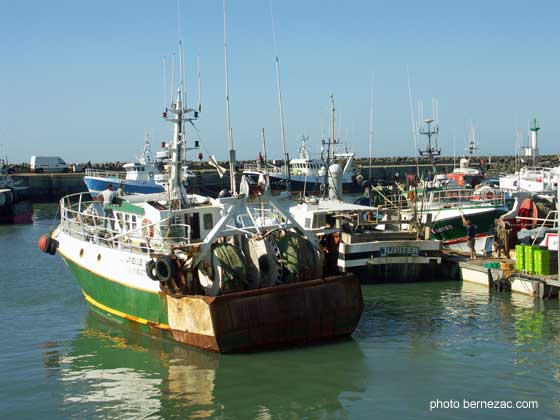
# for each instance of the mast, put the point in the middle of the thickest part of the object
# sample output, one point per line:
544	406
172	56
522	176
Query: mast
228	120
414	140
432	151
267	177
371	125
280	107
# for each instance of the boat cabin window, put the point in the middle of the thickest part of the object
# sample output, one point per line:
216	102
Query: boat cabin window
208	221
319	220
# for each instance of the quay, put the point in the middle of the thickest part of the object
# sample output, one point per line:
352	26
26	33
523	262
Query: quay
51	187
500	274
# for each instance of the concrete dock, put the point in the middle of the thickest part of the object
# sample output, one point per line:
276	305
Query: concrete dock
505	278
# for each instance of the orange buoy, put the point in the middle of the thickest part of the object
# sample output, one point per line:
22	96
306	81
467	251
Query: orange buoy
43	242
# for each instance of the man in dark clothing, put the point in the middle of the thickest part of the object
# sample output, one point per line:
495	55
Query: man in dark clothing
471	236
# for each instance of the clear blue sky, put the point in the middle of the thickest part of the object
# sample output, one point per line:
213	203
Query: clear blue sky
83	80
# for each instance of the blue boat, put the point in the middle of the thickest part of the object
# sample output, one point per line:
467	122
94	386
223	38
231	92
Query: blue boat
141	177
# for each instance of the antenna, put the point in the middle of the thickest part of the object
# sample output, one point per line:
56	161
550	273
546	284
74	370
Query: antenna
228	120
267	185
172	76
198	76
182	74
414	140
282	131
164	84
371	123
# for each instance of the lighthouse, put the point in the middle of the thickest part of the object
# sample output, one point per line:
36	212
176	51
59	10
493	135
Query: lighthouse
533	149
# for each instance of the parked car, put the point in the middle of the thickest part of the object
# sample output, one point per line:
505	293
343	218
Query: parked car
42	164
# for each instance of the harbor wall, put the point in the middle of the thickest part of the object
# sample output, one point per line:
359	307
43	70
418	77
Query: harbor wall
51	187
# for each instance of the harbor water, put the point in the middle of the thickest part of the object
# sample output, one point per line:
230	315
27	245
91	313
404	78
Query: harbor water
422	350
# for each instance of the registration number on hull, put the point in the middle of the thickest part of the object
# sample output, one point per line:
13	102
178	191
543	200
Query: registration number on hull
388	251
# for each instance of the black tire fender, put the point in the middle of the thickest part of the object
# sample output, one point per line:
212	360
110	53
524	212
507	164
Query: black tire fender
165	269
151	270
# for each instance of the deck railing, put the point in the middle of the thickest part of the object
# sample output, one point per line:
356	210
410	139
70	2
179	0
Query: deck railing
86	220
261	168
101	173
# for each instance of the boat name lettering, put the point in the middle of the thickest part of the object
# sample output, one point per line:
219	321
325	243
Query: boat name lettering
135	261
398	250
441	229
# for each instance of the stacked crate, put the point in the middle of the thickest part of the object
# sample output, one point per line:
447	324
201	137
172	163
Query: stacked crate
541	261
519	258
529	265
553	262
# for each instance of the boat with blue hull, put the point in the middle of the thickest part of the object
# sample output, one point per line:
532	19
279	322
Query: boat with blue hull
97	181
145	176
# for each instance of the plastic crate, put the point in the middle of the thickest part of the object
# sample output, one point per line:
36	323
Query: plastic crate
519	258
541	261
529	265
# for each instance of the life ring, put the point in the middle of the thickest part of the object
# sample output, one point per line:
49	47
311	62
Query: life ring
147	228
489	195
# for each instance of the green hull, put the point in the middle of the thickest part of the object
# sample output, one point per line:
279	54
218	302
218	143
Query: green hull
452	229
146	307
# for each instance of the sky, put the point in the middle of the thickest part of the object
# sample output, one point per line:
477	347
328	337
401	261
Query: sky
84	79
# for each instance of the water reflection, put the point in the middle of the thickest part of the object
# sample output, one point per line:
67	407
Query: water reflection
111	371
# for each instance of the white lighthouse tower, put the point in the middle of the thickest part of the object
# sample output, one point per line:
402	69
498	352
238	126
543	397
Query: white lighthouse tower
532	150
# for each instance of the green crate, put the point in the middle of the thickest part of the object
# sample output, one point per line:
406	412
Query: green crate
528	254
541	261
519	258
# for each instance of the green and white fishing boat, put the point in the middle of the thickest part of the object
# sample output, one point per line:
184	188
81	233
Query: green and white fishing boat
220	274
443	210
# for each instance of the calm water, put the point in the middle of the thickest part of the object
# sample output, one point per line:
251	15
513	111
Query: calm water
415	343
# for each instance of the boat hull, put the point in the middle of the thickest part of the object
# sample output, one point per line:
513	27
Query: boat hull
287	315
97	184
20	212
299	183
447	226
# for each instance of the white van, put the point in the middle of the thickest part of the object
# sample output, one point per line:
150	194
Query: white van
42	164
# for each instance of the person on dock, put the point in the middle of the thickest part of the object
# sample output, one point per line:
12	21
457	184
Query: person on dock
108	195
471	236
120	190
503	230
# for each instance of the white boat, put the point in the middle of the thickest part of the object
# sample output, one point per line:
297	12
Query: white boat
219	274
306	174
364	241
144	176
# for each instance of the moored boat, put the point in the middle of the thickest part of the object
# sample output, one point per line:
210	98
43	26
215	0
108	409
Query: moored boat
219	274
15	208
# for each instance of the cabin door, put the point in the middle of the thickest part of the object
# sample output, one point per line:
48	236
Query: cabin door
193	220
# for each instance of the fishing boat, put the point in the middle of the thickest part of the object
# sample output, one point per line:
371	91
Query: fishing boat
223	274
15	208
140	177
444	210
304	173
363	240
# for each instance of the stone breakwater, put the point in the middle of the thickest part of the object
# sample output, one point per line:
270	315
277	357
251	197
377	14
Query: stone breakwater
495	165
